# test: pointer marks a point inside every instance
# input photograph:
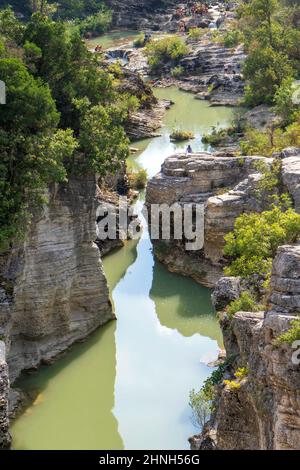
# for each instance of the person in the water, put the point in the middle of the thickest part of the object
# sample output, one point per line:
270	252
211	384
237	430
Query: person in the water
189	150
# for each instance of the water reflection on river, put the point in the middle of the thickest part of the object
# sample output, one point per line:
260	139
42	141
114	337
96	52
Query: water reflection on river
128	385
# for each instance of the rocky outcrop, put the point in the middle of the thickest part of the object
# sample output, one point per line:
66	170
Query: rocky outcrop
145	123
205	179
217	69
285	281
54	291
260	117
291	173
142	14
226	290
263	412
5	438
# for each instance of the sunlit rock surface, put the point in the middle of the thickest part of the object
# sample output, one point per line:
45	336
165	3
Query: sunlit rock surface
54	289
226	185
264	412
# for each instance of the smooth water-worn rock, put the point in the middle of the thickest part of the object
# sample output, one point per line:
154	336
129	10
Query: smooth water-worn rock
55	291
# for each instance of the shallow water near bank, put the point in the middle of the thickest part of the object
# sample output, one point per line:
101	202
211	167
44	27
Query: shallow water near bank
128	385
113	39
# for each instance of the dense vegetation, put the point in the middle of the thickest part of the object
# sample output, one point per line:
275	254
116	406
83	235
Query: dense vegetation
89	17
62	107
167	51
255	239
270	31
271	34
272	40
65	9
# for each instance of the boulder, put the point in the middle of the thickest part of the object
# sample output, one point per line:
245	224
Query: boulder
226	290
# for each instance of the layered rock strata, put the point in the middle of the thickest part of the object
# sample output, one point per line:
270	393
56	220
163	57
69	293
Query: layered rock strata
53	289
225	185
264	411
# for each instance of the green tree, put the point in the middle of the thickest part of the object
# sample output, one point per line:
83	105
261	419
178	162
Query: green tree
32	150
30	105
102	138
167	51
10	27
254	241
265	70
263	11
201	408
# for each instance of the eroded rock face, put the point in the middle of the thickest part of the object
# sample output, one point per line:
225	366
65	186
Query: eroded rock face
54	291
260	117
143	124
5	438
205	179
217	68
264	412
291	173
226	290
285	281
139	14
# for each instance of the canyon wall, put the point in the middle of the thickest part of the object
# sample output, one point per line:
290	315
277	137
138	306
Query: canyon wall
53	291
264	411
225	185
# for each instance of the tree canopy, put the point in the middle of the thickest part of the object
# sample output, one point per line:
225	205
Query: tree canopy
62	103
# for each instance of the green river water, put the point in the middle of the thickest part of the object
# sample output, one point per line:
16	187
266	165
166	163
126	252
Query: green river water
127	386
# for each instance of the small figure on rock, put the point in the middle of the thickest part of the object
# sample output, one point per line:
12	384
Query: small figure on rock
189	150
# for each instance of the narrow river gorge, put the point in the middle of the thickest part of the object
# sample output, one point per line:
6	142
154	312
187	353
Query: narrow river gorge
128	386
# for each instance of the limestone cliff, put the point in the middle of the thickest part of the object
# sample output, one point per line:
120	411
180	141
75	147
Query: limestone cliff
226	185
264	412
53	289
139	14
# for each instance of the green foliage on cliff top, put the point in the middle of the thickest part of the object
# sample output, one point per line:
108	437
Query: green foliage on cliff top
272	140
253	243
245	303
166	51
62	106
272	40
